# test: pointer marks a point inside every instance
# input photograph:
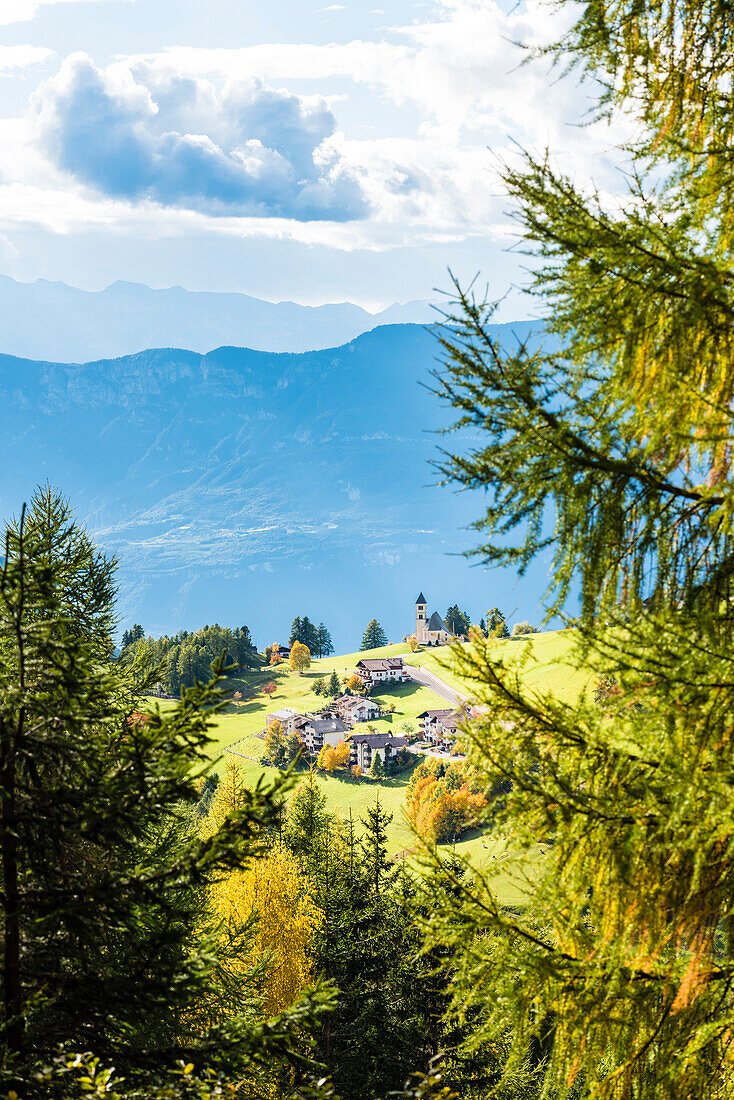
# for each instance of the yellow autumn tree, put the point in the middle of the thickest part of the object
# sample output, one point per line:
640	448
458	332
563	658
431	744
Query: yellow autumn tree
342	753
300	658
327	758
355	684
271	892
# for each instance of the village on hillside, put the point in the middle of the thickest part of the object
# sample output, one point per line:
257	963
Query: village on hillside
345	724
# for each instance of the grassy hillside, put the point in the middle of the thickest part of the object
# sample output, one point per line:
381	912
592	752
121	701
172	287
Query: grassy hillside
544	660
238	725
545	668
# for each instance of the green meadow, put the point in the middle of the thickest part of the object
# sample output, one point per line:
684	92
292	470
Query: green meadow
544	661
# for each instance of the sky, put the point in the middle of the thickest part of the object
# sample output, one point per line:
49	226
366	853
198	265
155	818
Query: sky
292	149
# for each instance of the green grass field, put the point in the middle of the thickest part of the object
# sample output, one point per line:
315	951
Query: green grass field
544	660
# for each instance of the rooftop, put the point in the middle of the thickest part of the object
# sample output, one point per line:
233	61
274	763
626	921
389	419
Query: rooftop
328	725
379	740
379	664
436	623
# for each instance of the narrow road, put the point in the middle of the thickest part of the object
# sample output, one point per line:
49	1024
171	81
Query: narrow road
438	686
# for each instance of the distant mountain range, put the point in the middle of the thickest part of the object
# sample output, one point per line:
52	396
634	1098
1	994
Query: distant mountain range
247	487
45	320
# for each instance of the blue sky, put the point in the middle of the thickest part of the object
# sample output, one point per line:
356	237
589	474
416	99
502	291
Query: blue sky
292	150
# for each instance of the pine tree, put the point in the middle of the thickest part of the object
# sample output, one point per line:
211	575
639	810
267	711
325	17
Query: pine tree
130	637
615	980
309	634
296	634
377	768
457	620
324	644
496	623
379	869
374	636
102	870
306	819
334	687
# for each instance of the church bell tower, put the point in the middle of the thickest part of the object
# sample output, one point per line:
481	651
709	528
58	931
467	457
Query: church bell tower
421	615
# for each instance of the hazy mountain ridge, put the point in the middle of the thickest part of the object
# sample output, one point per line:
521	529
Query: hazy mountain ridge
50	320
245	485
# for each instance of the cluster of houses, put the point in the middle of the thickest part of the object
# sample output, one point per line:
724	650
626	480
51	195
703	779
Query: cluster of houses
336	721
441	727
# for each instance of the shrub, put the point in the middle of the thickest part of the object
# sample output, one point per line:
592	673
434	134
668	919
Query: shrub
522	628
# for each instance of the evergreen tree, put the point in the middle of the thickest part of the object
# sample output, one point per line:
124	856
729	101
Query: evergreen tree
496	623
615	981
130	637
296	634
307	818
334	687
377	768
457	621
102	870
374	636
324	644
309	634
379	869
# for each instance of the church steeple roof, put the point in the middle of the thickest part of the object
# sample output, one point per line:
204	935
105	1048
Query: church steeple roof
436	623
421	599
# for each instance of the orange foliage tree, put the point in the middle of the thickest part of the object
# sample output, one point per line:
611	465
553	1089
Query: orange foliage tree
441	804
355	684
270	688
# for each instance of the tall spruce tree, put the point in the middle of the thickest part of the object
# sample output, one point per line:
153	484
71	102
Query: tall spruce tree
104	916
614	451
374	636
324	644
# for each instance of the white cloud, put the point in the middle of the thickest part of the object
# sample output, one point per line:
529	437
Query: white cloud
193	139
13	58
20	11
243	148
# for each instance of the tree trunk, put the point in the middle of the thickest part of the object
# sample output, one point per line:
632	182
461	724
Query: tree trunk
11	903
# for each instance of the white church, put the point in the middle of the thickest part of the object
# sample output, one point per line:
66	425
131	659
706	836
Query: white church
431	631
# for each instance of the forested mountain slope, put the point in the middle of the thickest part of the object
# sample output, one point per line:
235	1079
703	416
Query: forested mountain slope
247	487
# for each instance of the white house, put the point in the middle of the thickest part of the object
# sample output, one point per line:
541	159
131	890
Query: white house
286	716
440	726
363	747
354	708
317	732
430	631
382	670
